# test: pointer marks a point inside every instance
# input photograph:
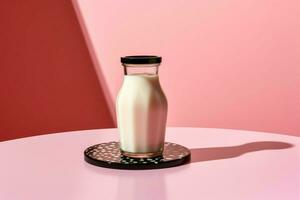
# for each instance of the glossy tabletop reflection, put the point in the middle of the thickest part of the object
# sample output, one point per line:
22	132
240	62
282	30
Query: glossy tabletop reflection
226	164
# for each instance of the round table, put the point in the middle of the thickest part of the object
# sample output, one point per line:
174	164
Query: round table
225	164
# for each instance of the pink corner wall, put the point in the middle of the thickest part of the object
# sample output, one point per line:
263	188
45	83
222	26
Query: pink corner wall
228	64
47	78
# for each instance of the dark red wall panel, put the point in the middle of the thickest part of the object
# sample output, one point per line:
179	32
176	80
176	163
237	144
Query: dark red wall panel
47	79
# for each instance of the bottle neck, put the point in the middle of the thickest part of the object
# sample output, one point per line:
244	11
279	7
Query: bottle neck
141	69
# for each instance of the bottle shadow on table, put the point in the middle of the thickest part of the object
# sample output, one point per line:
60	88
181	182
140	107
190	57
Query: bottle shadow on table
218	153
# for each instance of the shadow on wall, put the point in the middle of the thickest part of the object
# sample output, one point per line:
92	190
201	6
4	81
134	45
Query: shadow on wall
47	79
217	153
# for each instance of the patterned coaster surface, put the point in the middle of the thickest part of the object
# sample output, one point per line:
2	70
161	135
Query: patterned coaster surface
108	155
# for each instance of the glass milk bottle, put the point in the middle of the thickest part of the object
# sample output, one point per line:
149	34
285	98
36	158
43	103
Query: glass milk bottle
141	108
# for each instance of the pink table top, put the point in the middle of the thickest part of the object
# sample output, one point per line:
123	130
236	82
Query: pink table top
226	164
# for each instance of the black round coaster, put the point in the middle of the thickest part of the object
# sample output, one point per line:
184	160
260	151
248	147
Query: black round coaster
108	155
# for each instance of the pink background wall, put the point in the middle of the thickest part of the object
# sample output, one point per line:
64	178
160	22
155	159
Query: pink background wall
229	64
47	79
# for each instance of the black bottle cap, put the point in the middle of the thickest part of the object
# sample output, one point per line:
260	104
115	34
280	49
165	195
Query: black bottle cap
142	59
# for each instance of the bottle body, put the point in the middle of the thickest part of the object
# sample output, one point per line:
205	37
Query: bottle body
141	113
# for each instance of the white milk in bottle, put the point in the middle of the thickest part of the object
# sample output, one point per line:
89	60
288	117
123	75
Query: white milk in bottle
141	108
